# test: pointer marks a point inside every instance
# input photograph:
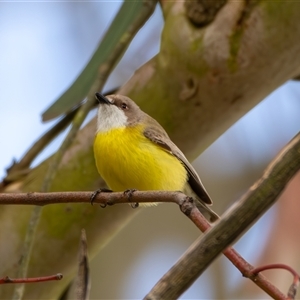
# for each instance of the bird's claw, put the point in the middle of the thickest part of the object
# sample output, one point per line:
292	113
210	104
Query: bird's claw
134	205
94	195
129	194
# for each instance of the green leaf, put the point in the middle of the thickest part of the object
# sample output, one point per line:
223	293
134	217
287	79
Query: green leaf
129	11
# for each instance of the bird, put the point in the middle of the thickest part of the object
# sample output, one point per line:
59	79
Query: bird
133	152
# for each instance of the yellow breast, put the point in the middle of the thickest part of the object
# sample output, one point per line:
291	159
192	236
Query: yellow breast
126	159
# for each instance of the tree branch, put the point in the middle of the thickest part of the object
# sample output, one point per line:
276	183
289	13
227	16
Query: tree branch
108	199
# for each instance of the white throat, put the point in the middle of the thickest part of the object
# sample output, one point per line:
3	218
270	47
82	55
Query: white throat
110	117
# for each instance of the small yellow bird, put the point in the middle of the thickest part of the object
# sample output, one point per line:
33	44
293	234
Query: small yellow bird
133	151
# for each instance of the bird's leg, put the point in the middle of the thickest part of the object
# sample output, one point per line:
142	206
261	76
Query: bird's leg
94	194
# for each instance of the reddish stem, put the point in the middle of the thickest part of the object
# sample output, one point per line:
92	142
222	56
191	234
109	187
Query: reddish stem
7	279
275	266
293	288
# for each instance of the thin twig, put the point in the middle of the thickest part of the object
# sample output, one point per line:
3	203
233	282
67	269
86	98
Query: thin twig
7	279
296	277
257	270
106	199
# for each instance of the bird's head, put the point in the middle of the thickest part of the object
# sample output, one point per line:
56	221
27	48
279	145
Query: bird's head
116	111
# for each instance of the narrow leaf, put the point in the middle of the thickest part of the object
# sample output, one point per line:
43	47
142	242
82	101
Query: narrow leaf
129	11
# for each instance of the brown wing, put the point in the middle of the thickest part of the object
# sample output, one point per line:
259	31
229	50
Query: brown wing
157	134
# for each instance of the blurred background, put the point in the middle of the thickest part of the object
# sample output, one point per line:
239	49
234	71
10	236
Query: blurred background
44	46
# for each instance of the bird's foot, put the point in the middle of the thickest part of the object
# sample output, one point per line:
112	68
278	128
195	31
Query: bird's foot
129	194
94	194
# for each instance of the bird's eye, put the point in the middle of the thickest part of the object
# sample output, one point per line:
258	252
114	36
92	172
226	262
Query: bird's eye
124	106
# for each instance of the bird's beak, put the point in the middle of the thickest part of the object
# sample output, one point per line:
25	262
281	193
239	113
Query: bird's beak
102	99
